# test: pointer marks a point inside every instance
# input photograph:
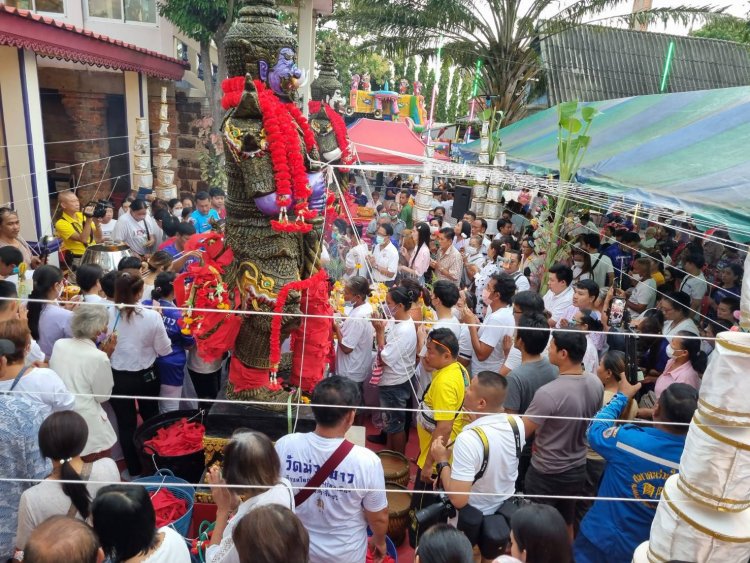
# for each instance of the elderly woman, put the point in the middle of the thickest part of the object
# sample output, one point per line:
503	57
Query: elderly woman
86	372
10	227
251	461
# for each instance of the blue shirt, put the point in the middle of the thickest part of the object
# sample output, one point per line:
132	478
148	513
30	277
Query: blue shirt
201	221
639	461
171	367
171	249
20	419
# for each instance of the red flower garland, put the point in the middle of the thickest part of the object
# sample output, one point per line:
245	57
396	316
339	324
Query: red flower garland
339	130
290	175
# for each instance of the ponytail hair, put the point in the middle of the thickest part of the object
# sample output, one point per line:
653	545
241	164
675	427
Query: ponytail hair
127	289
163	285
45	277
62	437
418	290
698	358
403	296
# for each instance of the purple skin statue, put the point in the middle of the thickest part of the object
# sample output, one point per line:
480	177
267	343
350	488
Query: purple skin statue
317	201
284	75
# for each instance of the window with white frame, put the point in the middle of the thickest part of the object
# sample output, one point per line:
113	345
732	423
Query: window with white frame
143	11
49	6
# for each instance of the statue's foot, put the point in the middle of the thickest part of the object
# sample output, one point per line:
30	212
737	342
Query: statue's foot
272	400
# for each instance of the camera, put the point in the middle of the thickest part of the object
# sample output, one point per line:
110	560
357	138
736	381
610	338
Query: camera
433	514
99	209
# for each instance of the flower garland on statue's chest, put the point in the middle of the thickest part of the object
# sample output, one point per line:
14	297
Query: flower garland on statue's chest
281	126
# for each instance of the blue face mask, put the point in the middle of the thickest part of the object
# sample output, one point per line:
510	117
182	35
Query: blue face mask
380	239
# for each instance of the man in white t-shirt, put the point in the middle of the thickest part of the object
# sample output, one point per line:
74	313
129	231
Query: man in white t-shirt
524	303
384	258
487	340
694	283
355	334
559	296
643	295
512	265
602	269
502	447
352	498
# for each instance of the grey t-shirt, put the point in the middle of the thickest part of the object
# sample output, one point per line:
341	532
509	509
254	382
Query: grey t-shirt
523	383
560	444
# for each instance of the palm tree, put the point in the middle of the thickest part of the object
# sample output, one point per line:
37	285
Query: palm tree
500	33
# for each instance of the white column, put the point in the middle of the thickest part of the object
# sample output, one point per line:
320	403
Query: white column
136	105
22	114
306	41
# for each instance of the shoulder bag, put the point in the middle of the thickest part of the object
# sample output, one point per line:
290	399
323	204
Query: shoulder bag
324	472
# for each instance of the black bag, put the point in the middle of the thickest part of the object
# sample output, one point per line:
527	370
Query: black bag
495	532
470	522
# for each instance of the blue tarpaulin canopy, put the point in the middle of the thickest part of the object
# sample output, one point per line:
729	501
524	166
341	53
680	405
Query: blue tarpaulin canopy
687	150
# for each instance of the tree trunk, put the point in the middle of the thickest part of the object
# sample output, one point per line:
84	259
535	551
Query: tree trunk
221	73
207	78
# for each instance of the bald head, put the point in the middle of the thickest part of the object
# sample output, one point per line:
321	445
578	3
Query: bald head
63	540
69	202
486	393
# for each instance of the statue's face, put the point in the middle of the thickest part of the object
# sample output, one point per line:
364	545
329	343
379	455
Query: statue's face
284	77
246	148
325	137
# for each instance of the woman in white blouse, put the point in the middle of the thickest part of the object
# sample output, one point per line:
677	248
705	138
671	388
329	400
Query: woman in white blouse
491	266
250	460
420	259
141	338
85	370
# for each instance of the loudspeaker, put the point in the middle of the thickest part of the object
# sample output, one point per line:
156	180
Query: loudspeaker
461	201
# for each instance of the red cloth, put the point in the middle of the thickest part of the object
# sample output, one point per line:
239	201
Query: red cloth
168	507
180	438
369	558
244	377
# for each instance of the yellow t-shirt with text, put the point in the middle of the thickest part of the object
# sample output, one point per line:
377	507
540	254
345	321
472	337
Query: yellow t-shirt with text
446	393
67	226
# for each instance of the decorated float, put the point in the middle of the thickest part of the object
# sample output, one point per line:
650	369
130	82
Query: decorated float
387	104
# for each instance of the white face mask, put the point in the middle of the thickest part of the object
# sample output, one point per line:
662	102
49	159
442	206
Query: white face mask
636	277
578	264
670	351
177	213
486	296
471	251
434	229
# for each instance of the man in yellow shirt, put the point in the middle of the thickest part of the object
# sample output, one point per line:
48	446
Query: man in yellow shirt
77	230
439	413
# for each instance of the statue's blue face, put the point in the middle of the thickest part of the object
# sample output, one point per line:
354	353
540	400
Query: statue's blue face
284	77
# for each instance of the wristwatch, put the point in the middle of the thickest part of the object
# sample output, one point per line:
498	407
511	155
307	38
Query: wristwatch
440	466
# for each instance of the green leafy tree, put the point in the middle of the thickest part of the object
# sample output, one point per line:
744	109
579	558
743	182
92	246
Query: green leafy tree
350	60
727	29
500	33
441	104
410	69
205	21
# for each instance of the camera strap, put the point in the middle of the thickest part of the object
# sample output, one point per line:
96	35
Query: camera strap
79	228
486	444
324	472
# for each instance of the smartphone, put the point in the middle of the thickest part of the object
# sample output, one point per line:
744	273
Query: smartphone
617	312
631	359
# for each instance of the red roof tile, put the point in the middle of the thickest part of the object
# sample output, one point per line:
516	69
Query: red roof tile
53	38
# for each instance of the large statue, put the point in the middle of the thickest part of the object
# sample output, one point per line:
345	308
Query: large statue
275	204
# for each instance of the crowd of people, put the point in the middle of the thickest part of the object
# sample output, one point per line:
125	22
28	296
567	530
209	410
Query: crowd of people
511	369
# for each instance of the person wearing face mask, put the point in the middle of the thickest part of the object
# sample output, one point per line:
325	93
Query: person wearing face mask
48	322
473	258
643	295
397	341
503	441
82	362
420	257
581	265
175	208
686	364
354	335
396	222
492	265
384	258
487	338
138	230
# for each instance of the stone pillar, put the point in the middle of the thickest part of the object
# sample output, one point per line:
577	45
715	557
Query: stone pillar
424	193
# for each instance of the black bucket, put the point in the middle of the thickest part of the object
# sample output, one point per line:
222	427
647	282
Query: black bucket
189	467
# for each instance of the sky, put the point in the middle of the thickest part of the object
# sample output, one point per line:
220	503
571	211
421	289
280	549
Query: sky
739	8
